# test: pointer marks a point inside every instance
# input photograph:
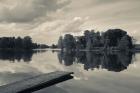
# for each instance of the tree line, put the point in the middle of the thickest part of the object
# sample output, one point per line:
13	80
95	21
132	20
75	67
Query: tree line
112	39
19	43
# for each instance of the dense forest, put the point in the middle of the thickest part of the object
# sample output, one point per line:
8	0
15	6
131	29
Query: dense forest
19	43
112	39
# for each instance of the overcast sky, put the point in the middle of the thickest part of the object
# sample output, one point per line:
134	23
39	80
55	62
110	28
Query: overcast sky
46	20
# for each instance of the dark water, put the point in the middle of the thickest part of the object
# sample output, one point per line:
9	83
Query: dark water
94	72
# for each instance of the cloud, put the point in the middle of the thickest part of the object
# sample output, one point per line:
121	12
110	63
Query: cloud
74	25
46	20
28	10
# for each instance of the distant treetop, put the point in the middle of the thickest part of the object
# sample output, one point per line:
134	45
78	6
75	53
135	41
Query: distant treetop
19	43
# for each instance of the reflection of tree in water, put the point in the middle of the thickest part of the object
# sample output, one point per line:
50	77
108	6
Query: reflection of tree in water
116	61
13	55
67	57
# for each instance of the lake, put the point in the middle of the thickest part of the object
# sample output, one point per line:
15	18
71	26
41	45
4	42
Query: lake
93	72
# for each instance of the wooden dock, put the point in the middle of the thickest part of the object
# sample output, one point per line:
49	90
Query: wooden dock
36	83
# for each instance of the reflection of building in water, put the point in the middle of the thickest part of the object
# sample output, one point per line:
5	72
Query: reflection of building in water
12	55
111	61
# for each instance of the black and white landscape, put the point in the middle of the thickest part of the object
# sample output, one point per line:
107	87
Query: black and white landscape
97	40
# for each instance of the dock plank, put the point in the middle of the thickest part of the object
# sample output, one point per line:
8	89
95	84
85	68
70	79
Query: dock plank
36	83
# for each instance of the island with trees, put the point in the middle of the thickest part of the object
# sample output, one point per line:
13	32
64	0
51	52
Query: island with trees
110	40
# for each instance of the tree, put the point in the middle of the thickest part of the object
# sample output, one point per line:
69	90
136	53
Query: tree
93	39
81	42
54	46
19	42
69	42
114	35
86	34
96	42
27	42
60	42
125	43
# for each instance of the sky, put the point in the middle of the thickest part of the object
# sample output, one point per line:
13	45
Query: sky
46	20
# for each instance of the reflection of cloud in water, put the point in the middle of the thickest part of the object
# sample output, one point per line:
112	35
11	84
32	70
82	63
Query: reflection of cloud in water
98	81
17	67
8	77
104	83
52	89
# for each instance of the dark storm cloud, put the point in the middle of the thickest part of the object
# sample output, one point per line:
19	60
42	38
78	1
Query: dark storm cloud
29	10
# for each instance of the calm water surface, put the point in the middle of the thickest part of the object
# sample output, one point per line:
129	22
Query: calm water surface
93	72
